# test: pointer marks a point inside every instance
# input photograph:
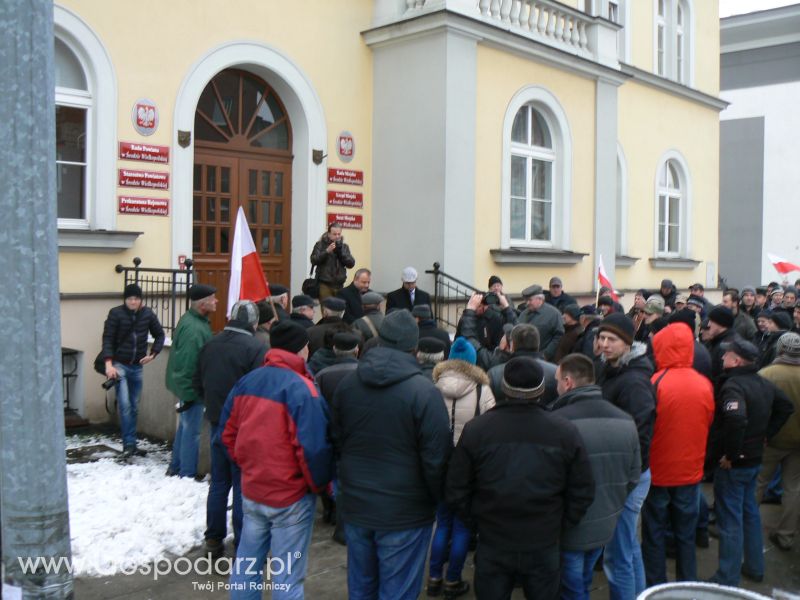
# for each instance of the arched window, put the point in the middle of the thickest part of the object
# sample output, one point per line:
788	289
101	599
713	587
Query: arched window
672	207
673	40
536	166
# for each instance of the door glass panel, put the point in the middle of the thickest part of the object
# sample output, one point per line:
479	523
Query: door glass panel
197	209
224	210
278	241
211	178
211	209
279	213
198	177
265	212
253	181
225	180
211	246
204	131
265	177
265	242
228	87
279	184
277	138
196	243
223	240
253	211
252	93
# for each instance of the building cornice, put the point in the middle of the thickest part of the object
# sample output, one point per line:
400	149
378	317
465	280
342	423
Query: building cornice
87	240
760	29
674	88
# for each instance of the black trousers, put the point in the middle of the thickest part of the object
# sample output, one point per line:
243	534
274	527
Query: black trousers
497	571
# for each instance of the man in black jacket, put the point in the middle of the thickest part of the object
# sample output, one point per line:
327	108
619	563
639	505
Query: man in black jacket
427	326
352	295
750	410
125	353
303	311
331	257
225	359
612	444
625	379
408	295
522	475
719	329
391	432
556	296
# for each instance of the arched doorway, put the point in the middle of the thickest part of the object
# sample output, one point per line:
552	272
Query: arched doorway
243	156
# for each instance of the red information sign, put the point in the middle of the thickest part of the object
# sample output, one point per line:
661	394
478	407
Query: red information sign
145	152
355	199
347	221
130	205
144	179
346	176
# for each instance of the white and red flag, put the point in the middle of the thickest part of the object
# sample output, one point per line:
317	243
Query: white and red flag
247	277
781	265
602	277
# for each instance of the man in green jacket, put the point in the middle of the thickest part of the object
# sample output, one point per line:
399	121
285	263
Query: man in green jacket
784	447
191	334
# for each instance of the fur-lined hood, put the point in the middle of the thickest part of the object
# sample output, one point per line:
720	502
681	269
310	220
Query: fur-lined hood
638	349
457	378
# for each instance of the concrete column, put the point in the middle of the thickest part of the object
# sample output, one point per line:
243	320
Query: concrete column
33	483
605	179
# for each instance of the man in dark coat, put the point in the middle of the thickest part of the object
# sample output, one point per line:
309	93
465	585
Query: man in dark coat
391	432
546	318
750	409
225	359
408	295
525	342
625	379
668	292
491	314
572	329
369	324
427	326
742	323
719	329
331	257
612	444
303	310
556	296
352	295
778	323
125	353
521	474
332	311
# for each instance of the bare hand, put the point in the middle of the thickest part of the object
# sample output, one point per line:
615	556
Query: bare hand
111	372
147	359
724	463
475	301
503	300
331	247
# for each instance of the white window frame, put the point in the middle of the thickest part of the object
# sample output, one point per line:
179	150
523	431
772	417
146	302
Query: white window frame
100	100
684	206
546	103
673	35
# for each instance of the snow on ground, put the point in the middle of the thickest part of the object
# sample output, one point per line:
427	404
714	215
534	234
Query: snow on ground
127	515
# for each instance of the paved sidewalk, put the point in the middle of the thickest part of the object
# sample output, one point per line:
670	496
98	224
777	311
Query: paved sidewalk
327	574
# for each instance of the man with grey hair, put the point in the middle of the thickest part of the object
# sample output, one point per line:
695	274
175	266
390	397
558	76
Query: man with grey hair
191	334
352	295
783	449
545	317
225	359
303	311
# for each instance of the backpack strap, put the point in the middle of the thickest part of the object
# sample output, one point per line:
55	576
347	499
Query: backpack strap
371	325
657	381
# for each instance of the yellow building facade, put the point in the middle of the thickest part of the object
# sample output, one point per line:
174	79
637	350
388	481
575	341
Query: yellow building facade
523	138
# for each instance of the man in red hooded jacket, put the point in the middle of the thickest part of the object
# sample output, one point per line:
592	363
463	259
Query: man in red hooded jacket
684	413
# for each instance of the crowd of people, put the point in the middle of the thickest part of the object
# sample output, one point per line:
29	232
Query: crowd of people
539	435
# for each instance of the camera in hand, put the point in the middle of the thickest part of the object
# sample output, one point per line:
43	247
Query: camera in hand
490	299
108	384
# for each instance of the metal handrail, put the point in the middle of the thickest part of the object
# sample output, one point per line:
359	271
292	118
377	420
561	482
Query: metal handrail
449	294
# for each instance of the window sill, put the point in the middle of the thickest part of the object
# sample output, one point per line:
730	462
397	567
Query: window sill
86	240
674	263
535	256
625	262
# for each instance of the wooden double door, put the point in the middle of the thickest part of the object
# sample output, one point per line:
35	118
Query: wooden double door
242	159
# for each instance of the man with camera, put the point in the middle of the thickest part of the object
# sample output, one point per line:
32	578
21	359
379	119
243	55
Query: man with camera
125	353
331	257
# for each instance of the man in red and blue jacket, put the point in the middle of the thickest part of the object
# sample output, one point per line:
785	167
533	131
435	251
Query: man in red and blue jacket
275	427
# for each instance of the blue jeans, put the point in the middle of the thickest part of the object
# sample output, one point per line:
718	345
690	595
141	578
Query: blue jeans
187	441
739	524
577	570
385	565
128	388
286	533
666	508
450	531
225	474
622	561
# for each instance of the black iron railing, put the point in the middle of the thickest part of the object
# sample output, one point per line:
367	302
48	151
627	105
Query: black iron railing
450	297
163	290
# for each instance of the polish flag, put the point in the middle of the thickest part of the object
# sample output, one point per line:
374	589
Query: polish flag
247	277
781	265
602	277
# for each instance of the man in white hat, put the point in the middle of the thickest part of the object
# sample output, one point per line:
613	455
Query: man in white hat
408	295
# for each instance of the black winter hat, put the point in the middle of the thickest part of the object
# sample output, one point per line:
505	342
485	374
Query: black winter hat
199	291
431	345
619	325
345	341
495	279
288	335
523	378
782	319
132	290
399	330
605	301
302	300
334	304
722	316
685	315
741	347
276	289
573	310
